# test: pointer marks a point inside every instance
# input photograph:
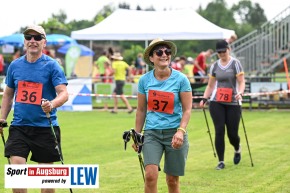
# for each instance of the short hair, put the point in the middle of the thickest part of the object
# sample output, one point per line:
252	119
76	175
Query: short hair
210	51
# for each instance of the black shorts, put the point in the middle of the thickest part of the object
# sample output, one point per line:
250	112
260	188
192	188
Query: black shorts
40	141
119	87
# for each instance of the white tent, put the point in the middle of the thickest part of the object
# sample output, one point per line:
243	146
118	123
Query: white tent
124	24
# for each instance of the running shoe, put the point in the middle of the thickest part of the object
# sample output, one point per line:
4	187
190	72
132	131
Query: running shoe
220	166
237	156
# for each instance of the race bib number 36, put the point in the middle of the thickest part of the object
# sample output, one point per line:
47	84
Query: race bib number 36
160	101
224	95
29	92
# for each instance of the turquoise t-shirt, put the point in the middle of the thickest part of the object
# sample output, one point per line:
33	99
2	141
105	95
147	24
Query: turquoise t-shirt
176	83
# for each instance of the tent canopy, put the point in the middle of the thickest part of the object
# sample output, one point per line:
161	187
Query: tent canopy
124	24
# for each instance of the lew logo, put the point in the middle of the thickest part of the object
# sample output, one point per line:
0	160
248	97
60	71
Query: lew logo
84	175
51	176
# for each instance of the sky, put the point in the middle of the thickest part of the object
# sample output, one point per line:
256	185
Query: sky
20	13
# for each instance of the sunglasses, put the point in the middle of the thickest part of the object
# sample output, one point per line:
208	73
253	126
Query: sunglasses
220	52
160	52
35	37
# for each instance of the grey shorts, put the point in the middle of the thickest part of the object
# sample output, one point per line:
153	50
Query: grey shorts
119	87
157	142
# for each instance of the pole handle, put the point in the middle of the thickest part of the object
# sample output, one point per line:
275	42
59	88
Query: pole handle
42	101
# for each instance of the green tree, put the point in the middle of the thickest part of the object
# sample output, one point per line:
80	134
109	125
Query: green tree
60	16
103	13
247	13
218	13
56	24
78	25
243	18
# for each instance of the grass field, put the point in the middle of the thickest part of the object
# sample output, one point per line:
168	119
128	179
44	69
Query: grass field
96	138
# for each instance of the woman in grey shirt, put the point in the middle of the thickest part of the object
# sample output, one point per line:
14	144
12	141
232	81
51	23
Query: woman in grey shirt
224	91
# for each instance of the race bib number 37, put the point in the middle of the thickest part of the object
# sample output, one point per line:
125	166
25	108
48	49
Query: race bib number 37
160	101
29	92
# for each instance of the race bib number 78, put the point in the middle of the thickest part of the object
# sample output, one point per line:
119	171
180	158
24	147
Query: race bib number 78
224	95
29	92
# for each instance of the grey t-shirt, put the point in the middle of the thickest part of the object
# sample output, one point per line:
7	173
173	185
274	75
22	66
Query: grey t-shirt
226	81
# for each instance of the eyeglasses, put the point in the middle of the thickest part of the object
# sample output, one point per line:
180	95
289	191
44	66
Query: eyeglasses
35	37
220	52
160	52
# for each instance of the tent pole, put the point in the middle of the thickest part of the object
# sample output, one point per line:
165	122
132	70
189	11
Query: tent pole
92	58
146	45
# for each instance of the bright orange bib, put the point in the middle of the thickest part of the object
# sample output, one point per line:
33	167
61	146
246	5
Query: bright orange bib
29	92
224	95
160	101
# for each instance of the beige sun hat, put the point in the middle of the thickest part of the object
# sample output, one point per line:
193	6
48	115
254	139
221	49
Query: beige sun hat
37	28
117	56
155	42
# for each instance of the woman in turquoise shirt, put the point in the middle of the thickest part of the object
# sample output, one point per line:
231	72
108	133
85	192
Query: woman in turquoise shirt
164	109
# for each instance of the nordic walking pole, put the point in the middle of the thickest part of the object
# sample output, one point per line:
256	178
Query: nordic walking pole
55	138
246	134
208	130
3	138
240	105
134	135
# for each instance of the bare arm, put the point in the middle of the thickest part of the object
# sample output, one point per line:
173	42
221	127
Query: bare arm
59	100
198	66
186	101
140	115
141	112
241	82
62	96
6	105
7	102
208	90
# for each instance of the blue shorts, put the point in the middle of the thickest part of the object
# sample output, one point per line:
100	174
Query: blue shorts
40	141
157	142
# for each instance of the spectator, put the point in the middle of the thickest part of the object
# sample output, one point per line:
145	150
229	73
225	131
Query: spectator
179	64
182	63
140	64
188	69
107	79
232	38
199	69
101	63
17	54
119	68
30	130
175	64
2	64
108	73
164	109
51	53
